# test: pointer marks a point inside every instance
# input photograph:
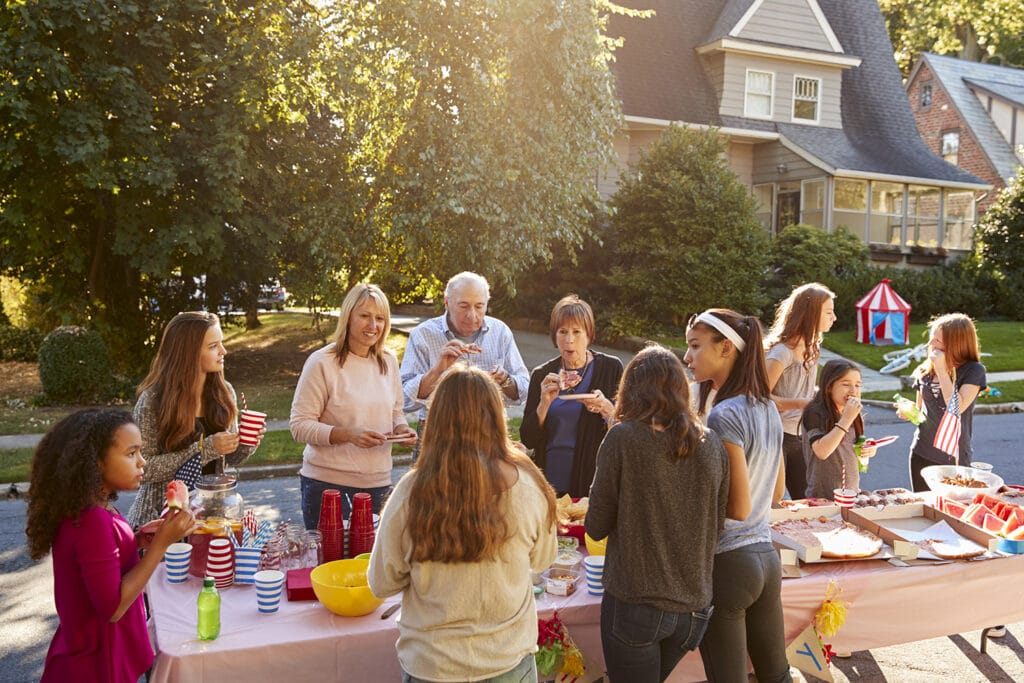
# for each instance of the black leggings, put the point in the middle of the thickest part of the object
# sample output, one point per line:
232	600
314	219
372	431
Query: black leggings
796	467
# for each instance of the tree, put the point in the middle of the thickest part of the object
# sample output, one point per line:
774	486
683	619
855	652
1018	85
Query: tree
684	234
975	30
999	240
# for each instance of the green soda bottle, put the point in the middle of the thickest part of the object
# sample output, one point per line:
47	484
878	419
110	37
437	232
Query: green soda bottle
862	463
208	623
910	409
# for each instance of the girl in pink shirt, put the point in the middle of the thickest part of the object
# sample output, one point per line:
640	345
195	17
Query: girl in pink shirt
98	578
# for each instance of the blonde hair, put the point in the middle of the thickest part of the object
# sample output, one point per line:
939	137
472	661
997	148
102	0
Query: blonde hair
355	297
172	377
960	338
457	510
797	319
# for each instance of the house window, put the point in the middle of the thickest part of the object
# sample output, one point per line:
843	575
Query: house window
813	198
959	217
850	206
758	100
805	98
923	216
764	195
886	220
951	146
926	96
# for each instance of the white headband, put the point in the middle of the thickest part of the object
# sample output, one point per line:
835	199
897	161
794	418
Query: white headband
723	327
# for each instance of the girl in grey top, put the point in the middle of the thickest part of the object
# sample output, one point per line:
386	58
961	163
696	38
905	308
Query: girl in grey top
724	353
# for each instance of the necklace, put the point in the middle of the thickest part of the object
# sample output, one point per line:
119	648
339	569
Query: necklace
569	378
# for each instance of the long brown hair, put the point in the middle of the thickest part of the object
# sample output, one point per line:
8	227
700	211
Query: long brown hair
66	475
172	377
960	338
356	296
748	376
654	390
797	319
456	508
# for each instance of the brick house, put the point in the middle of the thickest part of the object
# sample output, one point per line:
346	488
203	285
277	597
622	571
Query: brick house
972	115
813	105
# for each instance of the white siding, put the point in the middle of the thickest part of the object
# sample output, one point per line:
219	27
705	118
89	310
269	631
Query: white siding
1002	116
766	160
734	84
786	22
740	157
608	179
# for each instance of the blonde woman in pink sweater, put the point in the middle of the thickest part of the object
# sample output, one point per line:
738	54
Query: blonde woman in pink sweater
347	407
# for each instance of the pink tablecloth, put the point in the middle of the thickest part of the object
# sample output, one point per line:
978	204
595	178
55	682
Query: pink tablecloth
303	640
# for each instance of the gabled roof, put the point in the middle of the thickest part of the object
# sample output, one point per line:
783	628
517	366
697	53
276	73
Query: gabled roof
660	76
956	76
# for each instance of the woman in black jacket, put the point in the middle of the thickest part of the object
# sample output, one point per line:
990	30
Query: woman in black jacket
569	404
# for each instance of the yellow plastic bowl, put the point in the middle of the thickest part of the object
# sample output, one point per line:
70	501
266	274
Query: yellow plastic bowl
595	547
341	587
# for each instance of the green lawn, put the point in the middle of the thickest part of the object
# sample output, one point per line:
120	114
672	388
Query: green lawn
1012	392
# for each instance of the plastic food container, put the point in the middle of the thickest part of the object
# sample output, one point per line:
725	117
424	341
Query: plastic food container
934	474
561	581
567	559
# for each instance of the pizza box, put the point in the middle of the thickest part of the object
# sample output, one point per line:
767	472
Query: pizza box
812	554
889	521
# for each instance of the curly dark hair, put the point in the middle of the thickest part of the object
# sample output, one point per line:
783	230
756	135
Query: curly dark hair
66	474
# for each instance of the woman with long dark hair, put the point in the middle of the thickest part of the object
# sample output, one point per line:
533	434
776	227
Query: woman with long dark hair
659	496
725	355
186	411
459	537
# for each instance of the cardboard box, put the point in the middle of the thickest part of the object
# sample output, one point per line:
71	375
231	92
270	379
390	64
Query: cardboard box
299	586
887	522
812	554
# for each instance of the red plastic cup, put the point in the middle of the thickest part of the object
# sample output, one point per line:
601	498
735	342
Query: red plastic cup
362	502
331	526
250	422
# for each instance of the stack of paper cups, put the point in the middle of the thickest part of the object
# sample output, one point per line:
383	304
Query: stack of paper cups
594	565
250	422
176	561
220	563
269	585
247	561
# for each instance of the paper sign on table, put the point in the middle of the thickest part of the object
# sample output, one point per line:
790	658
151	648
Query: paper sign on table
806	654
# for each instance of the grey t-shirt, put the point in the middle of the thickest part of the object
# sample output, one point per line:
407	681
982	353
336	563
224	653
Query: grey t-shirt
757	429
824	476
796	381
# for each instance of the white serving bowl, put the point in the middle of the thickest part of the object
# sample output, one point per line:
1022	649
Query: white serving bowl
934	474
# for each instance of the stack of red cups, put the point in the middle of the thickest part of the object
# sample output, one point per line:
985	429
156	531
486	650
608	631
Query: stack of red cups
331	527
360	528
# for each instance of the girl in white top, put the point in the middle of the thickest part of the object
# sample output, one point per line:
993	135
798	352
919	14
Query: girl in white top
348	407
459	537
793	346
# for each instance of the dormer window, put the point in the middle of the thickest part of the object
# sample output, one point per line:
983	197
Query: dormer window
758	101
926	96
806	92
951	146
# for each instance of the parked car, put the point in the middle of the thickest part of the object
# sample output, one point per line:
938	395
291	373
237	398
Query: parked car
272	296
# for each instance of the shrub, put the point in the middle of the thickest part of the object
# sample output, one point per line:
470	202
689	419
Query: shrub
684	235
18	343
1000	246
805	253
74	366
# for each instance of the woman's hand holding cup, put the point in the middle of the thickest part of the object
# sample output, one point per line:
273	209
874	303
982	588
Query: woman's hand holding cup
225	443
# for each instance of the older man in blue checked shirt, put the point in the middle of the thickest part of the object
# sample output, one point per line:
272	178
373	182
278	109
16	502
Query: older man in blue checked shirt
465	333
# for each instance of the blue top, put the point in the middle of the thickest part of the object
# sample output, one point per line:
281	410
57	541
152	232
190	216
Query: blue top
562	421
757	429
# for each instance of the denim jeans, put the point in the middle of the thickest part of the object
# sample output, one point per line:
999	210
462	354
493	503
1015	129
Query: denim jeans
312	495
643	643
747	619
524	672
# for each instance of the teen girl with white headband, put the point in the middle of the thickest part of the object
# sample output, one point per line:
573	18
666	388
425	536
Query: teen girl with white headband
724	353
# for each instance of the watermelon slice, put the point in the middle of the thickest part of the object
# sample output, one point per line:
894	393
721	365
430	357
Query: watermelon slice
177	495
976	515
953	508
1017	534
992	523
1011	525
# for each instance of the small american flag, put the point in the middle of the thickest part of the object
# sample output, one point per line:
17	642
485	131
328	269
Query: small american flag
947	437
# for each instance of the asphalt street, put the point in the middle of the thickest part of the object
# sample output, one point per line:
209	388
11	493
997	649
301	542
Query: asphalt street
29	620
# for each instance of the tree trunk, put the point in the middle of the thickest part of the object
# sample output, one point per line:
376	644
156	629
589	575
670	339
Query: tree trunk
252	319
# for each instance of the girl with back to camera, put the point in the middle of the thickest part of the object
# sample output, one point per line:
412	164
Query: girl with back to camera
659	496
459	537
98	578
186	411
832	423
724	354
953	365
793	346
